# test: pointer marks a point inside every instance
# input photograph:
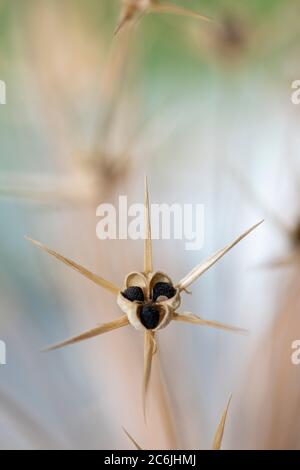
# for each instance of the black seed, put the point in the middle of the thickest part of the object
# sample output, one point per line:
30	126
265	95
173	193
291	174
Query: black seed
134	293
149	317
163	289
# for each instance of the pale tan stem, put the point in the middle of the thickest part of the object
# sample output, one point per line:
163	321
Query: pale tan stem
188	317
136	445
84	272
203	267
148	265
128	15
99	330
218	438
176	10
163	400
149	349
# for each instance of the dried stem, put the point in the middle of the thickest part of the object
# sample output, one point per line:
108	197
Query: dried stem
188	317
149	349
77	267
99	330
148	265
176	10
217	442
203	267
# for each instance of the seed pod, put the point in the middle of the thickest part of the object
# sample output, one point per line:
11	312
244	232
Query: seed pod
137	308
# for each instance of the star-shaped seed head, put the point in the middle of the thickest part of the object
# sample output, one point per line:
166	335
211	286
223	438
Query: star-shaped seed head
149	299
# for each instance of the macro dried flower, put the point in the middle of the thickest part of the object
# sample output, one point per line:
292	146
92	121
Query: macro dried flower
149	300
135	9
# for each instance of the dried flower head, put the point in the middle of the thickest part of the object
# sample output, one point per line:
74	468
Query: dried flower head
133	10
149	300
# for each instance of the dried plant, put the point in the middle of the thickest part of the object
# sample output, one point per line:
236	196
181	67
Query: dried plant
240	34
133	10
218	437
87	170
227	40
148	299
290	231
136	445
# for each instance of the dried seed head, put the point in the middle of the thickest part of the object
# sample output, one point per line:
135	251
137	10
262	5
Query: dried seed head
148	299
156	292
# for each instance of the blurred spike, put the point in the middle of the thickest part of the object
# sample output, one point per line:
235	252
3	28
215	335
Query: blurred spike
256	200
217	442
176	10
282	262
136	445
136	8
130	12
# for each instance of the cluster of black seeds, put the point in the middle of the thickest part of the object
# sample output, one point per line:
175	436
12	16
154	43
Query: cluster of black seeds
163	289
134	293
149	313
